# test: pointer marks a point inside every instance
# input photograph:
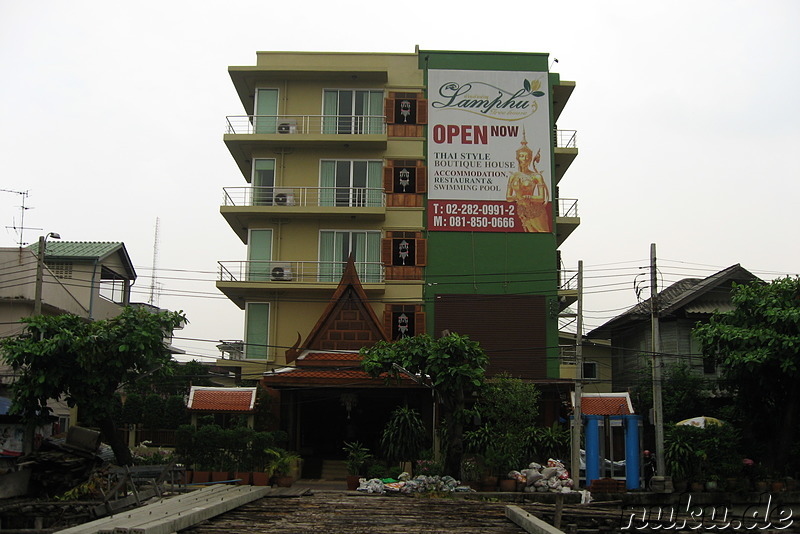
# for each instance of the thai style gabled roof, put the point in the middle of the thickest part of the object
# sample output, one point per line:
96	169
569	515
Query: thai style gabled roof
694	296
219	399
348	322
606	404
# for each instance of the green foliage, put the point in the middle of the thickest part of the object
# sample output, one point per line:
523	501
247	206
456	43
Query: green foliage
213	448
404	436
357	457
280	461
547	442
757	345
175	413
153	413
86	362
132	409
686	392
697	454
453	366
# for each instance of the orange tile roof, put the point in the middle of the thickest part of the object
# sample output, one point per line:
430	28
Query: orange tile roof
318	359
211	399
605	405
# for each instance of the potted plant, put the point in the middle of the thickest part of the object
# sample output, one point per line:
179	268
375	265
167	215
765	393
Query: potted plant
357	456
404	436
280	463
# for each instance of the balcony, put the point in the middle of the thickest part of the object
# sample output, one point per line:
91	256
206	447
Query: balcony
567	219
243	280
242	206
567	288
246	133
566	150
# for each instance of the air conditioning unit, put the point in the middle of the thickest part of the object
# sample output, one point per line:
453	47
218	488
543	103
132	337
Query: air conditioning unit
287	126
281	272
283	197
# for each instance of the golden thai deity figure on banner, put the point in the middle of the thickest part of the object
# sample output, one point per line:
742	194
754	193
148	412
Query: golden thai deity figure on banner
528	189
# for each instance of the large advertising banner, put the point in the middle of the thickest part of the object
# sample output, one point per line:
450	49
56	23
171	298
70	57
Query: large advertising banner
489	151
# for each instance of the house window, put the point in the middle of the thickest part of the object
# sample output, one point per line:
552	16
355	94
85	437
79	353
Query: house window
266	116
404	249
263	180
351	111
259	255
404	176
402	320
406	108
353	183
112	286
335	247
590	371
256	334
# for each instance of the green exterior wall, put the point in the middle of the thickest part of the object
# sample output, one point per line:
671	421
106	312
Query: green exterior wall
493	263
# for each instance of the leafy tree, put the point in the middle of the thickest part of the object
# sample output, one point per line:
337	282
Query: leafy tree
175	413
453	366
758	347
132	410
86	363
153	414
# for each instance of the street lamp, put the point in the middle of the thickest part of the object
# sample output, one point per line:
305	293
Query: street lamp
37	299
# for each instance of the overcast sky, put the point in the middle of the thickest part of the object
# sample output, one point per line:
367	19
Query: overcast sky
112	115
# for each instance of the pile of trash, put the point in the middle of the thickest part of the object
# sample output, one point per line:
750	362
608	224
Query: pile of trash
552	477
405	484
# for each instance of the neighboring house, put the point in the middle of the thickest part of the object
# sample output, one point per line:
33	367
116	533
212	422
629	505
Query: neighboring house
222	403
680	307
448	205
596	354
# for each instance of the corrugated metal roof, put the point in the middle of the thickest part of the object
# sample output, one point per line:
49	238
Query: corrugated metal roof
213	399
78	249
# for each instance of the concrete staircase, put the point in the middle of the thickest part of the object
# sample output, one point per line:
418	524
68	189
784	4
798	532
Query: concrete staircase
334	470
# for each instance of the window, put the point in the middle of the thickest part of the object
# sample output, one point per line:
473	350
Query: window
336	246
256	331
259	255
404	176
402	320
112	286
350	183
350	111
266	119
590	371
60	269
403	249
263	181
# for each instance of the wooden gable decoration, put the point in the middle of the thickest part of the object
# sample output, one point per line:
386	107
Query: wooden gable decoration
348	323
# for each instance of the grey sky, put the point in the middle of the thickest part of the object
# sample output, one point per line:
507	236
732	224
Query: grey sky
112	115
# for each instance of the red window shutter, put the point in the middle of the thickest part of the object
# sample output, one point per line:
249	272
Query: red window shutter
386	251
388	110
421	246
422	111
422	178
388	178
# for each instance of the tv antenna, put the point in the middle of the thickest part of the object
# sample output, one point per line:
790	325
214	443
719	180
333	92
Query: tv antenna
23	208
153	280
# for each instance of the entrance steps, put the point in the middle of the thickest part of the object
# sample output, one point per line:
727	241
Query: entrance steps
334	470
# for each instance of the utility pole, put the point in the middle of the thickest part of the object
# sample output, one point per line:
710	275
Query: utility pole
37	298
658	405
577	418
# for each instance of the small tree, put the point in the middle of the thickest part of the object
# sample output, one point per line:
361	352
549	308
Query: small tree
757	345
87	363
453	366
404	436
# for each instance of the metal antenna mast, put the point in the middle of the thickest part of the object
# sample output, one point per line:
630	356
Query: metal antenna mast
23	208
153	280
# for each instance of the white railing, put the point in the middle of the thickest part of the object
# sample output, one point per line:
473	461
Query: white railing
566	138
297	271
567	280
567	207
344	197
306	124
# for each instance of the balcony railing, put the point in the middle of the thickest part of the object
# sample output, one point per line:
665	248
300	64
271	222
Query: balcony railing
567	280
566	138
567	207
345	197
307	124
325	272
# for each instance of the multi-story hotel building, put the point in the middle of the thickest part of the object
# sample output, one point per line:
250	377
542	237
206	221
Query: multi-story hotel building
387	195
